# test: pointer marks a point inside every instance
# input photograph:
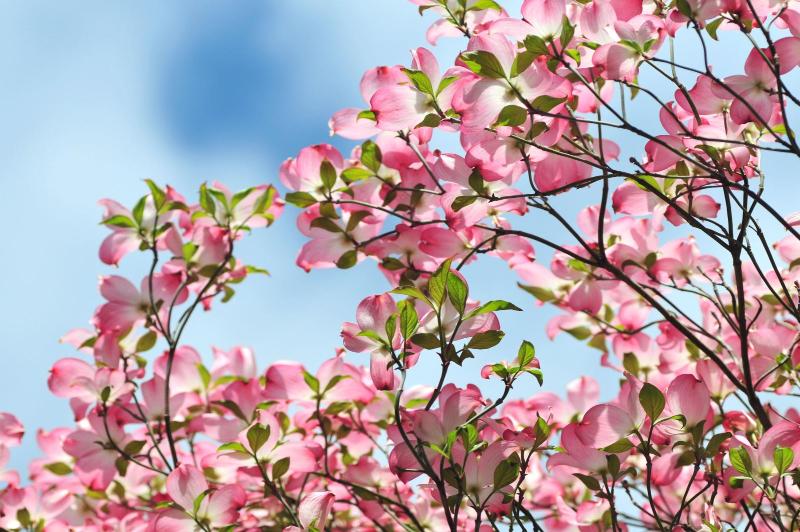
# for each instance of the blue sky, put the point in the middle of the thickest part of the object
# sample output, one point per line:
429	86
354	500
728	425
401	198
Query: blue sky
97	99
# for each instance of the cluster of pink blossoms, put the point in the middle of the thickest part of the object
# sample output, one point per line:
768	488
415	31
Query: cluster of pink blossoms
668	274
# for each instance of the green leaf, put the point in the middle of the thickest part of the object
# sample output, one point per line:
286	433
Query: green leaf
347	260
480	5
205	376
426	340
713	26
146	342
206	201
437	284
239	196
372	335
232	446
133	448
511	115
337	407
257	436
483	63
199	501
537	373
740	460
578	265
545	103
280	467
328	174
541	430
598	341
350	175
580	332
588	481
574	54
410	291
476	182
138	210
311	381
409	320
462	201
612	461
567	32
355	219
328	210
420	80
326	224
59	468
257	270
234	408
336	379
371	156
526	353
393	264
536	45
630	363
486	339
300	199
684	8
492	306
264	201
121	464
714	443
544	295
458	292
430	120
506	472
367	114
619	446
646	182
24	517
444	83
783	457
737	481
522	62
652	401
390	326
119	220
500	370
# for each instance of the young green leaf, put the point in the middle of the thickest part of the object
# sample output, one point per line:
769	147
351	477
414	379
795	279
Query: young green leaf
526	353
280	467
783	458
420	81
371	156
740	460
462	201
486	339
511	115
505	473
257	436
300	199
347	260
437	284
426	340
328	174
409	321
483	63
458	292
652	401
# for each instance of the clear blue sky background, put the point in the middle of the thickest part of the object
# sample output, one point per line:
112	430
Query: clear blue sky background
94	100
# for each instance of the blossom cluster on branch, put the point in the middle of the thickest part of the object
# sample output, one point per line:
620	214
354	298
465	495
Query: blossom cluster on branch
669	274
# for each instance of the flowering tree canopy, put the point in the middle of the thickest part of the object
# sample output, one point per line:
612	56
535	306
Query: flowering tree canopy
669	274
